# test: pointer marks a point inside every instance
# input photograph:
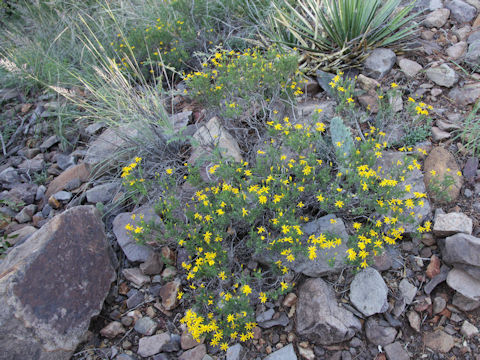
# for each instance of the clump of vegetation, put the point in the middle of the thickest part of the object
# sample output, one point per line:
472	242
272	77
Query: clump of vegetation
232	81
336	34
260	208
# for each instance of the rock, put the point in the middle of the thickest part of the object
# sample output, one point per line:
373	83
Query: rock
324	79
102	193
290	300
285	353
379	332
442	75
212	135
306	353
465	284
33	165
379	63
432	284
25	192
281	320
446	126
196	353
319	318
369	102
435	5
443	164
437	18
368	292
136	276
188	342
474	3
74	175
153	265
470	168
439	135
92	129
396	103
20	235
9	178
367	83
112	330
468	330
439	341
169	293
133	251
461	11
109	143
407	290
452	223
235	352
64	161
25	215
53	284
439	303
135	300
427	35
305	111
433	268
465	95
473	53
409	67
151	345
396	351
464	303
457	50
462	251
473	36
146	326
180	120
62	196
414	320
265	315
49	142
327	261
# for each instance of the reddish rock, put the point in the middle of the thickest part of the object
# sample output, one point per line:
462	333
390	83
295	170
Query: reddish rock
169	293
196	353
52	285
76	174
433	268
187	341
439	341
112	330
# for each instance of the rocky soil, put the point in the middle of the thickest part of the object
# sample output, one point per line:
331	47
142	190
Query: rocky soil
420	300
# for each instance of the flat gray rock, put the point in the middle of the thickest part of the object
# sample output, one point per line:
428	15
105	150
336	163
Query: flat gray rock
102	193
442	75
319	317
368	292
465	284
461	11
132	250
452	223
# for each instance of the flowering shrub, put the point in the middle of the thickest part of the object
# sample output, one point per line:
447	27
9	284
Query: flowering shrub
243	209
233	81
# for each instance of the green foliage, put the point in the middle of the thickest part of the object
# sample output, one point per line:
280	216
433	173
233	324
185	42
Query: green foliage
341	136
470	132
334	34
232	81
240	209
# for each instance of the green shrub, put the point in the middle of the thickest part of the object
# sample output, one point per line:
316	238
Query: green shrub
232	81
247	209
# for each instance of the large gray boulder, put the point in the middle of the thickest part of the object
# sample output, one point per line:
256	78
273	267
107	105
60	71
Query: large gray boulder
328	261
463	252
368	292
52	285
320	318
379	63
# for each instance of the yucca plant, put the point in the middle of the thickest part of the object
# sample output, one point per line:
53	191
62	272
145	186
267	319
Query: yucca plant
335	34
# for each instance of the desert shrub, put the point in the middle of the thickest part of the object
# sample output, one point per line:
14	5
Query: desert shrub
232	81
239	210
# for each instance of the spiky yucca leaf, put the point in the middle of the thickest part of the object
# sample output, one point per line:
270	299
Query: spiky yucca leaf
334	34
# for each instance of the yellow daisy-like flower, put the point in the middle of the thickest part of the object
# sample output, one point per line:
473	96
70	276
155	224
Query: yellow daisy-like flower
246	290
169	171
